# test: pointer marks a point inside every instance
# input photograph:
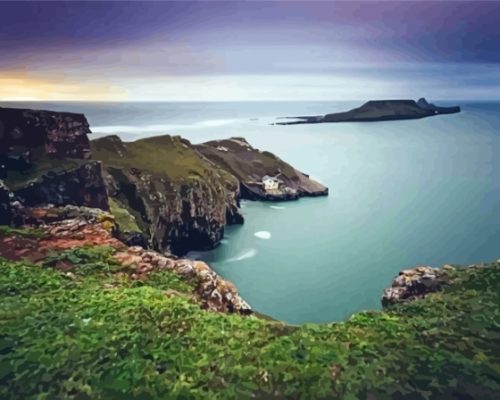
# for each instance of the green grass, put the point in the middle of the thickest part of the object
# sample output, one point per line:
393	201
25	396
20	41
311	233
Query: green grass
164	156
102	337
256	163
28	233
42	164
125	220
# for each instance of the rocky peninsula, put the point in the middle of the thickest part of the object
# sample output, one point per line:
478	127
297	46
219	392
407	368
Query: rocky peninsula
262	175
87	313
379	110
166	193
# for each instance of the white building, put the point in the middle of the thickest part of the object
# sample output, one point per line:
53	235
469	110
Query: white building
270	183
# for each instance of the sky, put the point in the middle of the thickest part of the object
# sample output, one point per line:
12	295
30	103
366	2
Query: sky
249	50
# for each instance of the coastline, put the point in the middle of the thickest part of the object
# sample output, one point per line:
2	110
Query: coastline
69	283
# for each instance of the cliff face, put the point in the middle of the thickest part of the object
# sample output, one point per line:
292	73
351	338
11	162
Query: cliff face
5	206
177	197
61	134
56	232
43	159
250	165
165	192
81	186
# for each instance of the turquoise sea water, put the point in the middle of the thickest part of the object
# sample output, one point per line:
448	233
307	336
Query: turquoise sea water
402	193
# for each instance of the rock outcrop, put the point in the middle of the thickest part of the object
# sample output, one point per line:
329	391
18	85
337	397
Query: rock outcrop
251	165
179	199
6	197
416	283
166	193
81	186
44	159
63	228
423	103
60	134
379	110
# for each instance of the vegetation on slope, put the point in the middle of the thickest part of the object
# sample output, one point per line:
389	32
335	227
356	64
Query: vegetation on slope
180	201
166	156
125	220
34	233
41	164
93	334
250	165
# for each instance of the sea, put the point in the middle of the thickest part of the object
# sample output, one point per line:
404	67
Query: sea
402	193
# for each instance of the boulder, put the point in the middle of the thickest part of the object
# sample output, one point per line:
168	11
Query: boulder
415	283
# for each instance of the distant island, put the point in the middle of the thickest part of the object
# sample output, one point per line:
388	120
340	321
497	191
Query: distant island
379	110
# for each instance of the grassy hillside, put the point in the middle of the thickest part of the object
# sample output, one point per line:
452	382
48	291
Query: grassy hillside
96	334
250	165
166	156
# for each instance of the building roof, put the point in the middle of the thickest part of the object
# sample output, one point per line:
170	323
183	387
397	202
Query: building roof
269	178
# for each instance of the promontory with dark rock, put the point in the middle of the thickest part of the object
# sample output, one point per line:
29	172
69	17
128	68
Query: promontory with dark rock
379	110
165	193
262	175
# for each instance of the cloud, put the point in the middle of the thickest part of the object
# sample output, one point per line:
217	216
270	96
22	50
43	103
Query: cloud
239	51
27	88
340	82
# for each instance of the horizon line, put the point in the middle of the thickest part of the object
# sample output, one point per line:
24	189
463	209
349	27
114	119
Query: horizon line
235	101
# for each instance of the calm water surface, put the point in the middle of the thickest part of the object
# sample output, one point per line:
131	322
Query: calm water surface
402	193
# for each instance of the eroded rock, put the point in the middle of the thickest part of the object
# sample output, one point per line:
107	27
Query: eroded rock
59	134
416	283
6	198
80	186
181	201
95	228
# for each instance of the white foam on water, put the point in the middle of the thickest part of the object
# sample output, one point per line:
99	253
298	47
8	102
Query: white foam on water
243	256
160	128
224	241
277	207
263	235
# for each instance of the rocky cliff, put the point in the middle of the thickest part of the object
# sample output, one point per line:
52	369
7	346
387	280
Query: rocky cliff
251	165
416	283
81	185
111	321
59	237
61	134
44	160
5	207
177	198
166	193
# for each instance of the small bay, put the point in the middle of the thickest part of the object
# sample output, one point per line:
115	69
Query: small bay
402	193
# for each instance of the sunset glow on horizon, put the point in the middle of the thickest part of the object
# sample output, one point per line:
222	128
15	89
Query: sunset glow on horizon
27	88
248	51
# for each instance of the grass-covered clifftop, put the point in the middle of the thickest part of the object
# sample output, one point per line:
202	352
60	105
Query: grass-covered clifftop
96	335
179	200
166	156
